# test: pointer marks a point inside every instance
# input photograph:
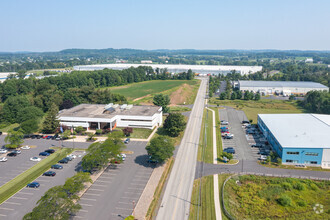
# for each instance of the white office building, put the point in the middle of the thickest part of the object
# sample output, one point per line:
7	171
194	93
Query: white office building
97	116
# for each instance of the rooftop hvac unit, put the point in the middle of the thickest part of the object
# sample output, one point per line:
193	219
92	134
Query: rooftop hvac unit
108	106
123	106
129	107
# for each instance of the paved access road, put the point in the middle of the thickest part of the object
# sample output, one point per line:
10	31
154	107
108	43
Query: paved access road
176	200
25	200
114	194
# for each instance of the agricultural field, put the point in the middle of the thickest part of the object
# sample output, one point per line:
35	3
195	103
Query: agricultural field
264	106
180	91
257	197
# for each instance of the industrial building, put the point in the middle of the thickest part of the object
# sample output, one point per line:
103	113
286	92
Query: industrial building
96	116
285	88
298	138
173	68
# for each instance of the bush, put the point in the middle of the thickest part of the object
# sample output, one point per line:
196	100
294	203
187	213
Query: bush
127	131
98	131
299	186
286	186
284	200
301	203
79	129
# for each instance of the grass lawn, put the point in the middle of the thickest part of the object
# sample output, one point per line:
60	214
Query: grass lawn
20	181
282	166
204	210
7	128
257	197
218	132
178	109
141	133
264	106
208	151
140	89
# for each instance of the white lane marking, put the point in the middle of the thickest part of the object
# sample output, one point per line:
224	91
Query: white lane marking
87	199
3	215
129	203
101	190
138	184
104	177
95	184
15	197
85	204
102	181
132	192
124	208
83	210
91	194
12	203
25	193
6	208
135	188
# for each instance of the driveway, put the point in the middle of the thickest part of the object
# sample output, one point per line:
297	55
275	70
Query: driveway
114	194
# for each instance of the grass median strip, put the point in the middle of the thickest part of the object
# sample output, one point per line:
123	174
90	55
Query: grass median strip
20	181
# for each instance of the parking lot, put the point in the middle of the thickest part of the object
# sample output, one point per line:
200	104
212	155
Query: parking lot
25	200
115	193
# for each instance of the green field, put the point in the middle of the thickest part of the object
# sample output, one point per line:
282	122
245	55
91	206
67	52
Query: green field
20	181
264	106
141	89
208	151
257	197
9	127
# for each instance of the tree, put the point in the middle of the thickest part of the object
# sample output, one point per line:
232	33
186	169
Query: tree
79	129
174	124
15	138
160	148
246	95
66	134
268	160
223	96
75	184
30	126
279	161
239	94
162	100
12	106
127	131
233	96
29	113
21	74
66	104
257	96
51	122
229	156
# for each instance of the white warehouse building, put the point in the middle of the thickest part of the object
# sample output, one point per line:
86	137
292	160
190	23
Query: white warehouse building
97	116
175	68
280	87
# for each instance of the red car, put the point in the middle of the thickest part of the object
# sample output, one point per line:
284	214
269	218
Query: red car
44	137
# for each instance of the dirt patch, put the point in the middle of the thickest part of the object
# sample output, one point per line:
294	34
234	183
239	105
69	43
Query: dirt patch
181	95
137	99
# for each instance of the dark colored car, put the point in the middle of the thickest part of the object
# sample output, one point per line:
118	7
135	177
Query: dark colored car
12	154
245	122
229	150
27	136
49	137
57	166
50	151
151	160
16	151
39	136
49	173
257	145
63	161
33	136
33	185
127	140
0	132
44	154
69	158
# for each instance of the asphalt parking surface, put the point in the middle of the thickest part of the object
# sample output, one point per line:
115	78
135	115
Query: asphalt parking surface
115	193
25	200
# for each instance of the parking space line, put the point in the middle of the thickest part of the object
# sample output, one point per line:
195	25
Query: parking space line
131	198
128	203
85	204
25	193
135	188
95	184
12	203
9	209
3	215
91	194
83	210
101	190
102	181
77	216
15	197
138	184
124	208
87	199
105	177
132	192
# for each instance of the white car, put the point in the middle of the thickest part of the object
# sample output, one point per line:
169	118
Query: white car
72	156
3	151
26	147
3	159
35	159
123	156
263	157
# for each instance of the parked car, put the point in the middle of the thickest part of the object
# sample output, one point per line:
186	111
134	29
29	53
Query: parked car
50	151
264	152
44	137
25	136
26	147
127	140
57	167
223	122
33	136
258	145
64	160
229	150
12	154
72	156
263	157
68	158
35	159
229	136
3	159
44	154
151	160
3	151
33	185
17	151
49	137
0	132
39	136
245	122
49	173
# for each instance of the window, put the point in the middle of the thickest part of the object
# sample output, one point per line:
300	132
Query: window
291	161
310	162
311	154
289	152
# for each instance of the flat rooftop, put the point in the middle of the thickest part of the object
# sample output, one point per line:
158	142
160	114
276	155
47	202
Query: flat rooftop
98	111
295	84
299	130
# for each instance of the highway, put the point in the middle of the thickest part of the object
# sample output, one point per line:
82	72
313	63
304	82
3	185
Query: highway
176	200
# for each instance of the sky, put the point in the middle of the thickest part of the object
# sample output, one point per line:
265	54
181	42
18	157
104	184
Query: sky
44	25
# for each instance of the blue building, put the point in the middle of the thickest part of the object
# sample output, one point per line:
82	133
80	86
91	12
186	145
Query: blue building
298	138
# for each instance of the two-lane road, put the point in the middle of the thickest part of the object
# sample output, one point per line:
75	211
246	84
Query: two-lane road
176	200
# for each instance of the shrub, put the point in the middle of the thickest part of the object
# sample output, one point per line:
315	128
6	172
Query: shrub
284	200
286	186
98	131
79	129
127	131
299	186
301	203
